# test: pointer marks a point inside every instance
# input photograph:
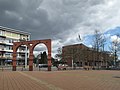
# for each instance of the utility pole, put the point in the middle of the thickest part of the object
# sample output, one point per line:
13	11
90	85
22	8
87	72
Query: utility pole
25	56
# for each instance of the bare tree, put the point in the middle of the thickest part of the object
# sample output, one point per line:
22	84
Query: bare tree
98	41
115	48
98	44
59	54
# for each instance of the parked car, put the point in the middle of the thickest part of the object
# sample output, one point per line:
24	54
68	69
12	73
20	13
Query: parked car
43	65
62	66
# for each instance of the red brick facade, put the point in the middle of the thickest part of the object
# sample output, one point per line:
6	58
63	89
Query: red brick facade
85	56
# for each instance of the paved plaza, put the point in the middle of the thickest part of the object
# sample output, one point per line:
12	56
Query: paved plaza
60	80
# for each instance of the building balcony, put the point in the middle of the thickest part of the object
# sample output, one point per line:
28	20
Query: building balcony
22	39
2	43
8	43
9	50
20	58
5	43
2	36
2	51
5	50
21	51
4	57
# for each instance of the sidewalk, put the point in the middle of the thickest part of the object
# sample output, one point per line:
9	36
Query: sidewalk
15	81
60	80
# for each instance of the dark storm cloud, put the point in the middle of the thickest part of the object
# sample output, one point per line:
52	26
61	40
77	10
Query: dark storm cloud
60	20
6	6
23	15
26	15
9	5
33	17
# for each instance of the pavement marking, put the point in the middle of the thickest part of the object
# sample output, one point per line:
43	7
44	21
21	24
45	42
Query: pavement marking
50	86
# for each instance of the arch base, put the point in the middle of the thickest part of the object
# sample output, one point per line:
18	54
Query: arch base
14	68
30	68
49	68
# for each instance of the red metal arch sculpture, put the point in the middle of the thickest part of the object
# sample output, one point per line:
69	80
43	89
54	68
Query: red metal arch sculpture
31	45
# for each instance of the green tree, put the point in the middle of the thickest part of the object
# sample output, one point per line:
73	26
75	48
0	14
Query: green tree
43	58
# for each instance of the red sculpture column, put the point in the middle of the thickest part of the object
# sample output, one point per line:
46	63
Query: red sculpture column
31	57
49	55
14	61
49	62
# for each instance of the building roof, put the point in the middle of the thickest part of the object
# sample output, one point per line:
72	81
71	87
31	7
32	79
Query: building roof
14	30
75	45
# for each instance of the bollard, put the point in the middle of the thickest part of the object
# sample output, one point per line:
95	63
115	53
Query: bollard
22	69
2	68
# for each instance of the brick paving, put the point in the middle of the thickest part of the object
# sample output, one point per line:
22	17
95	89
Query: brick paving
60	80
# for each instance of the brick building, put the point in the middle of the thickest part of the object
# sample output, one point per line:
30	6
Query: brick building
85	56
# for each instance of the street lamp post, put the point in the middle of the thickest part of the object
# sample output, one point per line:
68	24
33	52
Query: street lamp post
115	58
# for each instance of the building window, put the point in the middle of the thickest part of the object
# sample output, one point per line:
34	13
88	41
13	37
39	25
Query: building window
0	32
7	40
2	47
14	35
10	41
8	34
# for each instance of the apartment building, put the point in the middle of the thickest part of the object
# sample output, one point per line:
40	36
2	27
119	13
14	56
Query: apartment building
7	37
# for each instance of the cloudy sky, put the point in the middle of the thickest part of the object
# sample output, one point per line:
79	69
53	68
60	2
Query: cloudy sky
60	20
